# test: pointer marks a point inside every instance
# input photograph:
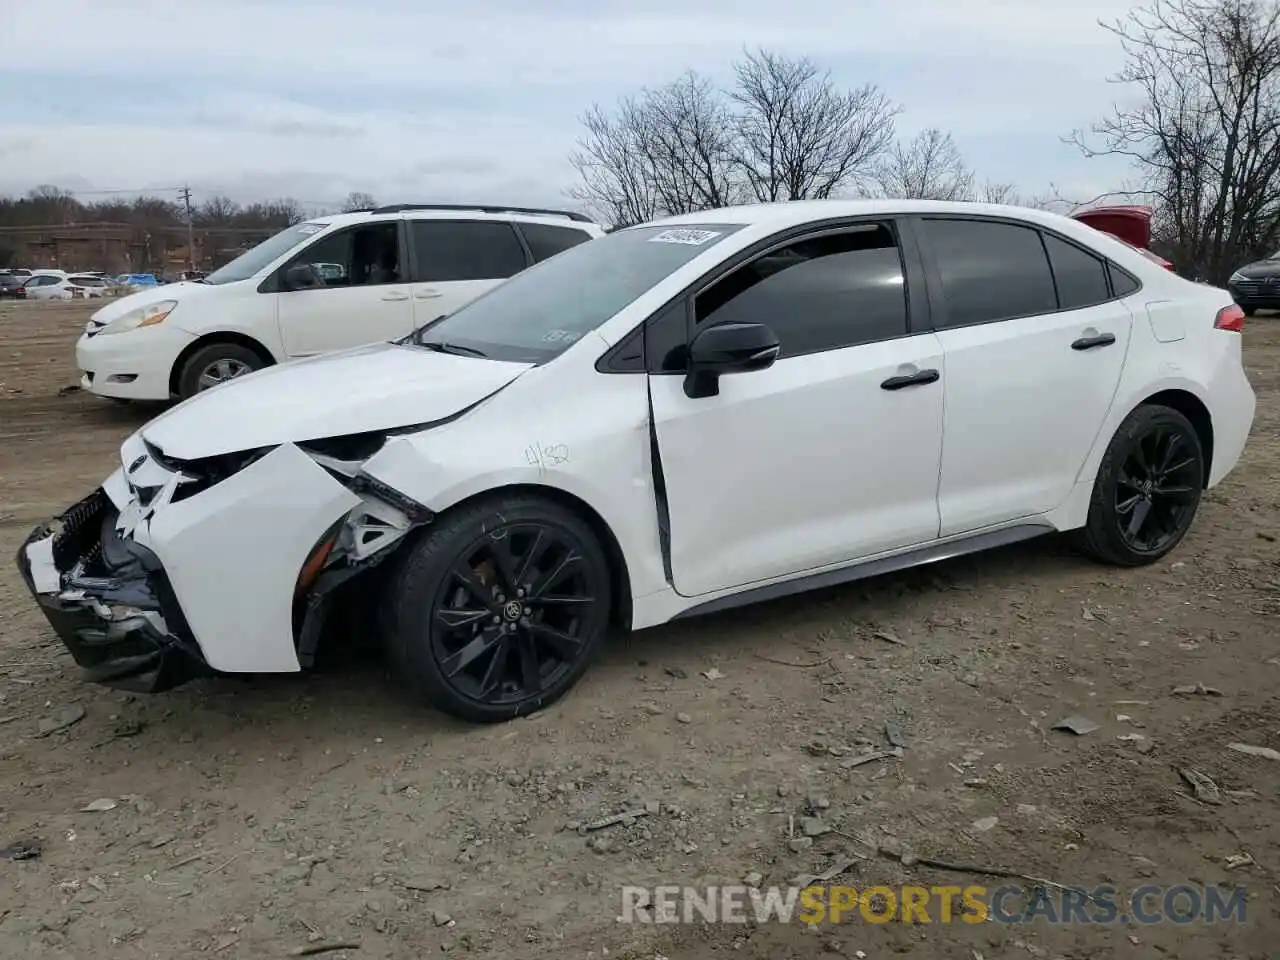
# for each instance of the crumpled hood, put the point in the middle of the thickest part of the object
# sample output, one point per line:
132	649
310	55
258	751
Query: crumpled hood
376	387
149	295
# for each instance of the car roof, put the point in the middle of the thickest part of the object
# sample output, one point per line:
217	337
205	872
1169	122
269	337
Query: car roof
461	213
798	212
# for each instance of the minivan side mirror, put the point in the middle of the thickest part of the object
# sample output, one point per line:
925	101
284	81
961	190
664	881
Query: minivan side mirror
300	276
727	348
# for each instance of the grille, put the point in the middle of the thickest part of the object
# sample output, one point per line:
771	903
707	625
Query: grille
1253	287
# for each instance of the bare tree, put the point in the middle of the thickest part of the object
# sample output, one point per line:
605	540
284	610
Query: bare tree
928	167
783	132
1204	134
217	211
797	136
996	192
667	150
616	186
356	200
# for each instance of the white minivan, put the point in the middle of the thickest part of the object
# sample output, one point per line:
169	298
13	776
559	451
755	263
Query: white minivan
322	285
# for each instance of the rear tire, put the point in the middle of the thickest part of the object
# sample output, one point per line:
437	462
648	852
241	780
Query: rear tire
215	364
499	608
1147	490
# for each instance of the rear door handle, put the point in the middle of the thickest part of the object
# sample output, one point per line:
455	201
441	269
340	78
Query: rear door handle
911	380
1089	343
395	295
427	294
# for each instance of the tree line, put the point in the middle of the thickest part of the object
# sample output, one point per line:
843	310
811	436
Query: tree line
50	205
782	130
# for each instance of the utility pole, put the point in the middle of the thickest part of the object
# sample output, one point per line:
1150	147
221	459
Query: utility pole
191	242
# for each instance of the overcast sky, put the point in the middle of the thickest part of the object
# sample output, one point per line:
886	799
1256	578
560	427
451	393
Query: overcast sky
421	101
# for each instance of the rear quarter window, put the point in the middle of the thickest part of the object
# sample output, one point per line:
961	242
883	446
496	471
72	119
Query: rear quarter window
546	241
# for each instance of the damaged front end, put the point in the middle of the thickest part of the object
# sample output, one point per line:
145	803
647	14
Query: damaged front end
109	601
176	568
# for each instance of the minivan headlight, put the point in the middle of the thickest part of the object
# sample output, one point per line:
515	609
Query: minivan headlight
147	316
1235	277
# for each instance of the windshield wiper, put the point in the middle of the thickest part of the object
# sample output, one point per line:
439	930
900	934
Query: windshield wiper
439	346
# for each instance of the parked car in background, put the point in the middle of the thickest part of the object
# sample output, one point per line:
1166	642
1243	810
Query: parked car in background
87	285
11	285
1130	224
138	280
677	418
44	286
319	286
18	272
1256	286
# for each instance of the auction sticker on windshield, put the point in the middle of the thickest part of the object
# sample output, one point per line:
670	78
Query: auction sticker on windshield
693	238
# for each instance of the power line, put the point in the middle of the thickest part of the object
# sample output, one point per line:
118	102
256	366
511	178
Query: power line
145	191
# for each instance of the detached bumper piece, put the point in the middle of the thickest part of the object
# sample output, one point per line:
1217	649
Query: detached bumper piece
109	601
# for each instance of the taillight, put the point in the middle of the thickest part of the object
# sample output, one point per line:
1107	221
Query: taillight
1230	318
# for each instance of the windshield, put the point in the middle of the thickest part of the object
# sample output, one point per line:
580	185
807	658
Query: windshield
251	261
539	313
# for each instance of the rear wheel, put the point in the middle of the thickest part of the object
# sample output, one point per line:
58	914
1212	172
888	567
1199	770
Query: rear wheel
499	609
1147	490
216	364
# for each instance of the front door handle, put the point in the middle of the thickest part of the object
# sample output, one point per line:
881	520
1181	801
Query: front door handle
911	380
395	295
1089	343
428	294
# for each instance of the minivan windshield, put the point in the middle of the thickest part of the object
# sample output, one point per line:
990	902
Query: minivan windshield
539	313
253	260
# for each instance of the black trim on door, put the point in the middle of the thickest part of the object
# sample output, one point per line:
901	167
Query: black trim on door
621	357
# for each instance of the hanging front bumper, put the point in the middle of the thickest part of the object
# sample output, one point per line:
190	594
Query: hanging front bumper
109	600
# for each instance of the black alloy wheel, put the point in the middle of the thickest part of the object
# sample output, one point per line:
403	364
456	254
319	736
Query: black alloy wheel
501	608
1148	488
1157	488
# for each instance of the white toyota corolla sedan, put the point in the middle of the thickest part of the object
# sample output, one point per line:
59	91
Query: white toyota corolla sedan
678	418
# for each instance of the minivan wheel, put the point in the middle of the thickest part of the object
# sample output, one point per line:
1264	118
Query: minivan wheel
499	608
1147	490
216	364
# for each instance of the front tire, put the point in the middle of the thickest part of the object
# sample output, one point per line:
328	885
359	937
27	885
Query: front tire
1147	490
499	609
216	364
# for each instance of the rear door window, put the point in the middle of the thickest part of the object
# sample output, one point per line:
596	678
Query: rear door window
453	250
989	270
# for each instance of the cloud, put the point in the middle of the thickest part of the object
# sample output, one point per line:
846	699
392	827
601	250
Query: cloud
416	102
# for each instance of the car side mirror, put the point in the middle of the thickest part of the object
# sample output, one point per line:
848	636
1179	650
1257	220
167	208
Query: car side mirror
727	348
300	276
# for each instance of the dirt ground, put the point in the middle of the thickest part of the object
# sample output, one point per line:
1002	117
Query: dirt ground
254	817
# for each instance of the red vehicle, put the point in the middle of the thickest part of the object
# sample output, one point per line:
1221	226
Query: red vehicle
1128	224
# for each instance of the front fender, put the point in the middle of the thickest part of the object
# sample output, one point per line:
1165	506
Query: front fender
602	459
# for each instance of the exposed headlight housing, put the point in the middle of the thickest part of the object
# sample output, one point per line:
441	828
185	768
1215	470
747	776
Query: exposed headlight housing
147	316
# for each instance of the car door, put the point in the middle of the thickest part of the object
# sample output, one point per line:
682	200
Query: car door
828	455
1035	343
358	292
454	261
